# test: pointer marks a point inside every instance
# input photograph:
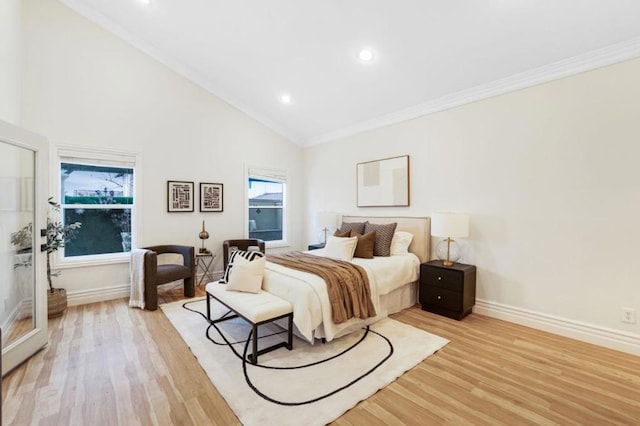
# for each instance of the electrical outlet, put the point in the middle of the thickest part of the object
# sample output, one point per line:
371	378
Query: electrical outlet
628	315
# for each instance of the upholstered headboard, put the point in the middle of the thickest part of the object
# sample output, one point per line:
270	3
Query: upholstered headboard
420	227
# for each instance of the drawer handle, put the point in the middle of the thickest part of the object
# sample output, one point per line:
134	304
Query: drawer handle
439	297
439	278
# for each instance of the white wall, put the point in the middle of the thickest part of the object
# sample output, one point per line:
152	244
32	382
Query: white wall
10	61
85	87
550	177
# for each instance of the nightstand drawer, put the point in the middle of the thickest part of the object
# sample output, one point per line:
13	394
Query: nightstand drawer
443	278
444	299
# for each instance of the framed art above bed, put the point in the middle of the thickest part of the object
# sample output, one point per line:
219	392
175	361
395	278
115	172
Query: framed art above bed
383	183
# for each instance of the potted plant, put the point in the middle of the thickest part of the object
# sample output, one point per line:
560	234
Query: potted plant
22	241
57	235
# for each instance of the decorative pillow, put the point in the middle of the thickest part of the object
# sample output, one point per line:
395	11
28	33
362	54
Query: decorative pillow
247	275
384	235
400	243
342	234
248	255
355	226
364	248
340	248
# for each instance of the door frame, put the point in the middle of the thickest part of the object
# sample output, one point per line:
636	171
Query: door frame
24	347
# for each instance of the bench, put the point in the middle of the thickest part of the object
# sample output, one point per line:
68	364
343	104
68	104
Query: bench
255	308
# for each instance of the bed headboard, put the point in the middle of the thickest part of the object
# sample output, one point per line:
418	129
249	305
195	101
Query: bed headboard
420	227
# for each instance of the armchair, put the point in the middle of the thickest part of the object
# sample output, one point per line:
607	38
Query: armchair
155	274
228	246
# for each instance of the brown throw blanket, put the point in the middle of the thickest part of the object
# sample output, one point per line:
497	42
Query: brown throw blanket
347	284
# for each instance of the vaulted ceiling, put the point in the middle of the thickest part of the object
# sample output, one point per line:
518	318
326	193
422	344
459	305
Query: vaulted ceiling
428	55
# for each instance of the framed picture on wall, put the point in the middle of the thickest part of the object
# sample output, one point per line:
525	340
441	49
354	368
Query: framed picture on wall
179	196
383	183
211	197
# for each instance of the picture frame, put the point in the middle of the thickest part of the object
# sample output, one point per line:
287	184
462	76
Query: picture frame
179	196
383	183
211	197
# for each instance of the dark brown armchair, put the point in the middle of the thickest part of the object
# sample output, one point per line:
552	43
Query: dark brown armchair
155	274
228	246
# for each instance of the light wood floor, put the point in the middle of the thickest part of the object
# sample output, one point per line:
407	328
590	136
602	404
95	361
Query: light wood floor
107	364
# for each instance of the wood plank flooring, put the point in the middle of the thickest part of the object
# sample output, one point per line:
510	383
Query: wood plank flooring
107	364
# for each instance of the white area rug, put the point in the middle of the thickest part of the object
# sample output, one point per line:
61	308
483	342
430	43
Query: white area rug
406	347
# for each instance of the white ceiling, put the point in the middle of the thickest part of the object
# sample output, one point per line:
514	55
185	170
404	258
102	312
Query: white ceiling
429	55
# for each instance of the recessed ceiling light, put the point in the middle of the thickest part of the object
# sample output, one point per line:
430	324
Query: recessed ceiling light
145	2
366	55
285	99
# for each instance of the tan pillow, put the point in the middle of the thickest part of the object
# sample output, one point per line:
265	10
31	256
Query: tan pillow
366	242
342	234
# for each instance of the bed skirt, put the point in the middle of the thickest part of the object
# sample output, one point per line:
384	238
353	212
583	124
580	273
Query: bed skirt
395	301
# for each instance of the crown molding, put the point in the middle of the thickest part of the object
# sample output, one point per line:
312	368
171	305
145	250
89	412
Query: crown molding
589	61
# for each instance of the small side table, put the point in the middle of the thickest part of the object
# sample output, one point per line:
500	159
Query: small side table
315	246
204	263
448	290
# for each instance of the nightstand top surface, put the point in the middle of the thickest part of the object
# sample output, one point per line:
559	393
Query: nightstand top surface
456	266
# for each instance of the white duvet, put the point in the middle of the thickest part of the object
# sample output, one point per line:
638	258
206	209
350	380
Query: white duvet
308	295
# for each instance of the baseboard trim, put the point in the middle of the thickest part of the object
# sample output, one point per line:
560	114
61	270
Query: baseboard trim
601	336
98	295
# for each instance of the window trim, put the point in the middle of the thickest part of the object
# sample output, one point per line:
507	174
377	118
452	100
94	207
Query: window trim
98	156
273	175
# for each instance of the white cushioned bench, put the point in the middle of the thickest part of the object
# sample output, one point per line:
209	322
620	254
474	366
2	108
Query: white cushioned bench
255	308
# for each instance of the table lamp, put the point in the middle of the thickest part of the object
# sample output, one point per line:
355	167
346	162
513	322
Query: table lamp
449	225
325	220
203	235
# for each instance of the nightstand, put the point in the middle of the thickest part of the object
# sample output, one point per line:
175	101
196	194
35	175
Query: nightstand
448	290
315	246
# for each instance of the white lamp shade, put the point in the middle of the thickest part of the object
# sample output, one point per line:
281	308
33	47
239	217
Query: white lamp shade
326	219
450	225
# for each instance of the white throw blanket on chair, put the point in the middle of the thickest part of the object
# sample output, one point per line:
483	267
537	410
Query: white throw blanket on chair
136	268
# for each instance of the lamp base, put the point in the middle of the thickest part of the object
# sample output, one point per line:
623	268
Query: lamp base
448	251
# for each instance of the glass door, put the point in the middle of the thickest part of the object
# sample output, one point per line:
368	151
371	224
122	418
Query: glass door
23	300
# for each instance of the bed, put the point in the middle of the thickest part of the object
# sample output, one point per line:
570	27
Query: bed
393	281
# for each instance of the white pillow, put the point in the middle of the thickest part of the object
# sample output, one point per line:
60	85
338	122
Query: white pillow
400	243
340	248
247	275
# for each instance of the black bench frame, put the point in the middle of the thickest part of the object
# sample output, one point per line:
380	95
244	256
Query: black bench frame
253	357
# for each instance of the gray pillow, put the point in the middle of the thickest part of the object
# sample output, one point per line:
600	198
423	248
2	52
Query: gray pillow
384	235
353	226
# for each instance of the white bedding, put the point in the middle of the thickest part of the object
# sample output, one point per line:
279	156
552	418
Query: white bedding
308	295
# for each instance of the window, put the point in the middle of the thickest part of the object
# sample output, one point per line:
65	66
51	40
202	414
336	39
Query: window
267	206
97	191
